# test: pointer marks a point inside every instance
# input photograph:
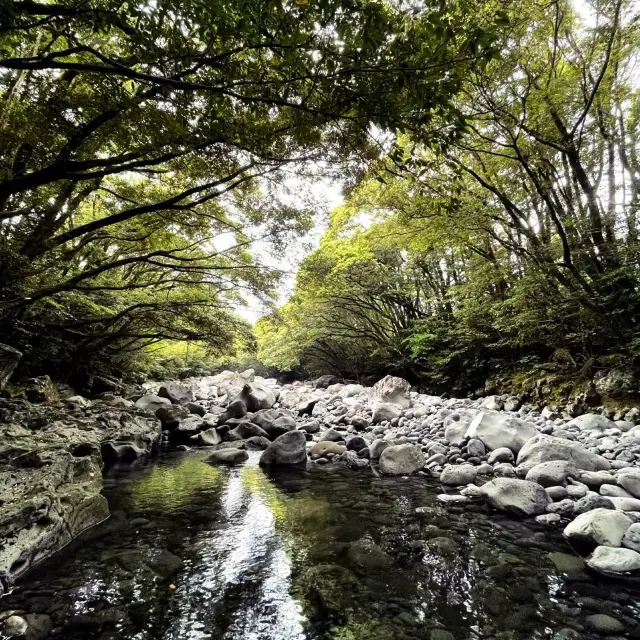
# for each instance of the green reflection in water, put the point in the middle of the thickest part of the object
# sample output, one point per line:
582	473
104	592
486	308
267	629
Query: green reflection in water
169	487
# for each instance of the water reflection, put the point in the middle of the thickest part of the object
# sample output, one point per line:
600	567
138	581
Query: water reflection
198	552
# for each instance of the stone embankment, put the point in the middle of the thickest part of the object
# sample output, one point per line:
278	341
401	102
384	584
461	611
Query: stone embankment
581	474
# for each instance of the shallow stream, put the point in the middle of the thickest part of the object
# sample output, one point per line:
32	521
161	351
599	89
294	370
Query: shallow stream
200	552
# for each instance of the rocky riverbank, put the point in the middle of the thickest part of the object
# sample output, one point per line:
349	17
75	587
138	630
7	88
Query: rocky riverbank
581	474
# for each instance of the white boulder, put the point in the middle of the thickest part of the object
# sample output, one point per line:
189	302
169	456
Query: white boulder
521	497
599	527
391	390
497	430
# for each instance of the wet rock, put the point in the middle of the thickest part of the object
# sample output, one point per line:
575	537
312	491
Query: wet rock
516	496
166	563
324	585
176	393
401	459
122	451
604	624
289	448
544	448
231	455
498	430
356	443
598	527
364	556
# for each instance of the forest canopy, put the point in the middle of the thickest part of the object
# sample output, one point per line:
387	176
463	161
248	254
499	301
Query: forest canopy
145	148
514	243
488	154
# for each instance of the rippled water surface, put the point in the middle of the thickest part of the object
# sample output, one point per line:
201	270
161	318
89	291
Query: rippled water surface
201	552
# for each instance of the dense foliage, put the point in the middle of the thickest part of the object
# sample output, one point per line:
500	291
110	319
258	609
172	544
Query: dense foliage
514	243
145	147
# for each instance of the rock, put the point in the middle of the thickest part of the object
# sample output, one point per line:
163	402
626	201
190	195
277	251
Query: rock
166	564
590	502
171	415
249	430
196	409
497	430
604	624
516	496
14	626
441	634
597	478
591	422
385	412
625	504
613	491
359	423
391	390
476	448
289	448
236	409
364	556
458	475
37	390
492	403
552	473
352	460
544	448
209	437
456	425
401	459
630	481
326	446
275	421
617	384
230	456
257	443
357	443
257	396
614	561
631	539
598	527
121	452
9	358
503	454
324	381
331	435
188	428
377	447
176	393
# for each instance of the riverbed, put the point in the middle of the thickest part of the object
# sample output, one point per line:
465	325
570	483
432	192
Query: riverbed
194	551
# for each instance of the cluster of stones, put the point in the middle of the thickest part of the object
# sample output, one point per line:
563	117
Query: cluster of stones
579	473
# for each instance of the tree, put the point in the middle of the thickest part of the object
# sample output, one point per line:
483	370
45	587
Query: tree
134	137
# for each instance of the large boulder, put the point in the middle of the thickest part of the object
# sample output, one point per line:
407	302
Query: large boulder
9	358
275	421
391	390
249	430
630	481
152	403
289	448
497	430
520	497
257	396
385	412
543	448
598	527
456	425
456	475
176	393
171	415
617	383
591	422
614	561
324	381
401	459
236	410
